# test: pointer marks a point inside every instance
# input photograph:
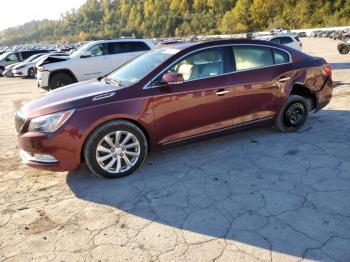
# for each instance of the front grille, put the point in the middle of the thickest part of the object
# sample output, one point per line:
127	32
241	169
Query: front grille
19	121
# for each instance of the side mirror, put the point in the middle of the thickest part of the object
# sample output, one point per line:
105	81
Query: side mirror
85	54
171	79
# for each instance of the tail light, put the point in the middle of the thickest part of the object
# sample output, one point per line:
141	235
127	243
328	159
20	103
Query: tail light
327	69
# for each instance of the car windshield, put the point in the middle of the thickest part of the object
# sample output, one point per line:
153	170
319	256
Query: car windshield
31	58
139	67
37	59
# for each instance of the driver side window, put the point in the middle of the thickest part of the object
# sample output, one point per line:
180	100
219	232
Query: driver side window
201	64
98	50
11	57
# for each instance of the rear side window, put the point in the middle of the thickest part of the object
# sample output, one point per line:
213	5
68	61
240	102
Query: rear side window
139	46
280	57
276	40
127	47
26	54
286	40
248	57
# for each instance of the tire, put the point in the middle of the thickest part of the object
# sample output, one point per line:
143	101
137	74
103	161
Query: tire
1	71
60	79
293	114
31	72
97	141
343	49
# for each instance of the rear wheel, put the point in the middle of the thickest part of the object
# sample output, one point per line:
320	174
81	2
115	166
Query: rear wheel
60	79
293	114
1	70
115	149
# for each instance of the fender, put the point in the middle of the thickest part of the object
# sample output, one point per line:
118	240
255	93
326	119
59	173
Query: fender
100	122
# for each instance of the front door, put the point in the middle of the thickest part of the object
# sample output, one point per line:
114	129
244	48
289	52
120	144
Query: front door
96	65
202	103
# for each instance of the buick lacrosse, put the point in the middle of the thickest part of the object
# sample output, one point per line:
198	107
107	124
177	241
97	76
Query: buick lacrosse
171	95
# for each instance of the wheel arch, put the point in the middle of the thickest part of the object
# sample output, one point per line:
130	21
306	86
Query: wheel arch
133	121
66	71
304	91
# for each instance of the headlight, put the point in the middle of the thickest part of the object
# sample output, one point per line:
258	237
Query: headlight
20	67
49	123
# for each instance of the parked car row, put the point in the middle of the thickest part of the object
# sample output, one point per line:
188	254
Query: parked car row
12	57
333	34
92	60
290	40
27	68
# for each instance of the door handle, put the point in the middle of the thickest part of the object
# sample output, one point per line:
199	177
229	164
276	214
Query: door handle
284	79
221	92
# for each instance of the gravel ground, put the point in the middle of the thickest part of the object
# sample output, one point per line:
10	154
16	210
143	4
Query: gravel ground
254	196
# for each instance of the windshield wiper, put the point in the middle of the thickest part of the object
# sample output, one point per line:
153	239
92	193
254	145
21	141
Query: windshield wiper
110	81
115	82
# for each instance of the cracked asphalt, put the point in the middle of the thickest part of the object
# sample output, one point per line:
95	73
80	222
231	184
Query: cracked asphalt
258	195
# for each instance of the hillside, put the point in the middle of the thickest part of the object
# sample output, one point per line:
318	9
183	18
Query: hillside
162	18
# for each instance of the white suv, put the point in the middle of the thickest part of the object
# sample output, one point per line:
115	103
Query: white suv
92	60
284	39
288	40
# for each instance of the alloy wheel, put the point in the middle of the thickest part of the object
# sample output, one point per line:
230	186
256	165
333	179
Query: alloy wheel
118	152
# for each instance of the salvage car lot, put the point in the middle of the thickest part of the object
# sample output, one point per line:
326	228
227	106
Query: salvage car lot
257	195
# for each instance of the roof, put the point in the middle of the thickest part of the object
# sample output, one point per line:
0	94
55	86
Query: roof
183	46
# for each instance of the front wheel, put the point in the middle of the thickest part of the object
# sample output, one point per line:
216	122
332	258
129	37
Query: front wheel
293	114
60	79
115	149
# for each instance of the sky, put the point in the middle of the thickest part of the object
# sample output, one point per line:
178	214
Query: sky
18	12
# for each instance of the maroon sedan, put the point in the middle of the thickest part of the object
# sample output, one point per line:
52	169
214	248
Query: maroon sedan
171	95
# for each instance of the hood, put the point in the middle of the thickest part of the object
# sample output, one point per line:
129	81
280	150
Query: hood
52	59
78	95
12	66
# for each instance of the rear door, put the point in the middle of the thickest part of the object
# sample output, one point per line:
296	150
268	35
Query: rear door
122	52
202	103
98	64
260	76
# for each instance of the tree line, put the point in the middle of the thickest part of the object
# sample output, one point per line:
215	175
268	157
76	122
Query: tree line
167	18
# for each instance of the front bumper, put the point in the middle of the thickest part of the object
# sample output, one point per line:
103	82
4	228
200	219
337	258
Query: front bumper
50	151
7	73
43	78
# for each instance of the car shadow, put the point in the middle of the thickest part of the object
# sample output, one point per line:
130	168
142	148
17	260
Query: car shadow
289	193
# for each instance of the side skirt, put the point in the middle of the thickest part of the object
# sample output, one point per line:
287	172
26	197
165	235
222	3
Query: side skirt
222	131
